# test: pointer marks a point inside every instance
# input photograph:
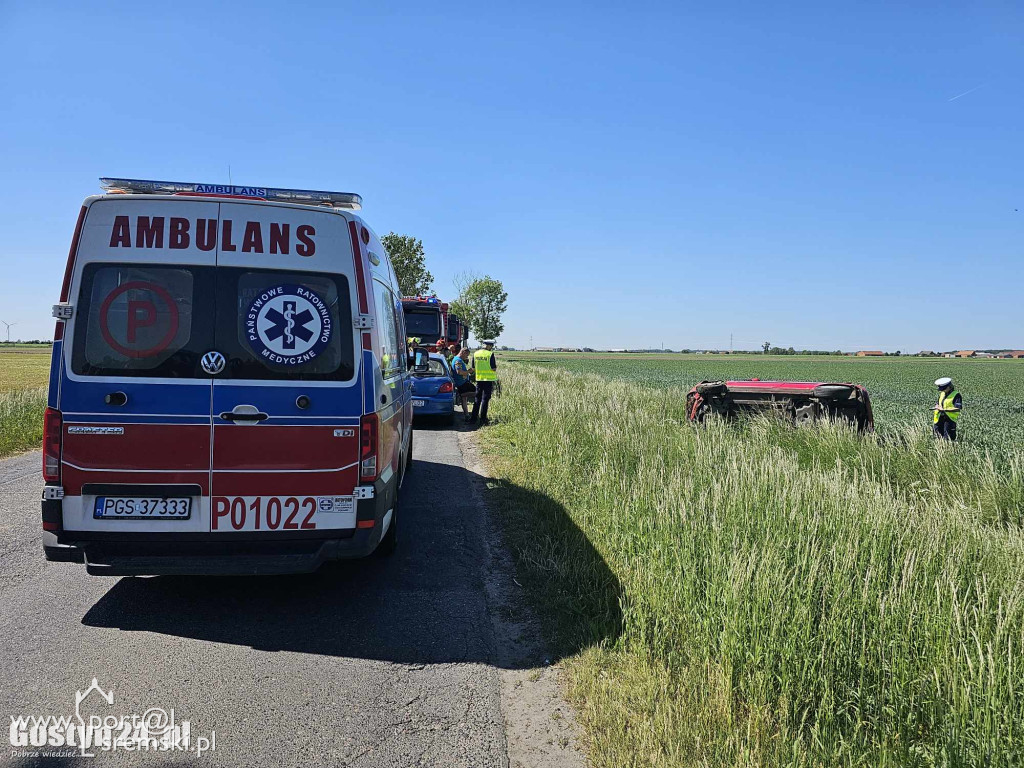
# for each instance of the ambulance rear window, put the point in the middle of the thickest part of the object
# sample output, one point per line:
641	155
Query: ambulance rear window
284	325
136	320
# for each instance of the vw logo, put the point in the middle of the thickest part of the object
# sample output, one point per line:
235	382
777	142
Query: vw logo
213	362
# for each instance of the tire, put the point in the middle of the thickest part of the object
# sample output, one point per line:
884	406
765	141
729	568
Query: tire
832	391
449	420
711	388
388	544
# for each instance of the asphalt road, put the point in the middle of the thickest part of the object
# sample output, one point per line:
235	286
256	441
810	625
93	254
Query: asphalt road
380	662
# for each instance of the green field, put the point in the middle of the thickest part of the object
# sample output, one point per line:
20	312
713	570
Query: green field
755	594
902	388
23	374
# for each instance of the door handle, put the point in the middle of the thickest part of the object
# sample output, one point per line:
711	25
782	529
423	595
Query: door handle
244	413
232	416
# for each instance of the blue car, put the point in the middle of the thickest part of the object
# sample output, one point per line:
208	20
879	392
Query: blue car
433	391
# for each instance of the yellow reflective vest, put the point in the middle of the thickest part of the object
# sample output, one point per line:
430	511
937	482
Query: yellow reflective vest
482	364
946	401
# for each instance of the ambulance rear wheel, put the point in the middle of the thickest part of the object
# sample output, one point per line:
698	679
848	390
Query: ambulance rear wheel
387	545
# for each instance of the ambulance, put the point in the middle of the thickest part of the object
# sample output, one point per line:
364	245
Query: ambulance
230	388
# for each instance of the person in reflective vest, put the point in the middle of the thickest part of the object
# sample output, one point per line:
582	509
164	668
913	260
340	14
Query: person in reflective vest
947	410
485	368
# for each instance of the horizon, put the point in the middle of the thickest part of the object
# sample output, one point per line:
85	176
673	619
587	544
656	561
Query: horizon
682	350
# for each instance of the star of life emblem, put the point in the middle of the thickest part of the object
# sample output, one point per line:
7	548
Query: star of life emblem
288	325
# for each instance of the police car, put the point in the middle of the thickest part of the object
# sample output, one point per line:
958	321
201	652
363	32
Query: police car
229	389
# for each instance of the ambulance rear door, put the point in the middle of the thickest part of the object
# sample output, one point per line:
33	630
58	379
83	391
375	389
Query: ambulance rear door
286	396
134	398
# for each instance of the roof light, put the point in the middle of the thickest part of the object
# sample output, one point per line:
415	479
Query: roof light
348	200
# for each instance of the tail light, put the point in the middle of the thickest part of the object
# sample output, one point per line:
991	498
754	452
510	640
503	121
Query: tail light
52	428
369	428
446	387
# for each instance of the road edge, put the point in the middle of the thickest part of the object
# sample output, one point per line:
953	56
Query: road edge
541	729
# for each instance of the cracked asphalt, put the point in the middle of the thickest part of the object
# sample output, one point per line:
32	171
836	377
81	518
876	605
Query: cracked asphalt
380	662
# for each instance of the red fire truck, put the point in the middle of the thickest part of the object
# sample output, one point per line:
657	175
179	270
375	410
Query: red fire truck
428	319
457	332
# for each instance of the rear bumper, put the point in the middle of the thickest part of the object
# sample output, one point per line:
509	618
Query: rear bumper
108	558
434	406
167	554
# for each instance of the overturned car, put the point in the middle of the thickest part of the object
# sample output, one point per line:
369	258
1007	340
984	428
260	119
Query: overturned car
801	402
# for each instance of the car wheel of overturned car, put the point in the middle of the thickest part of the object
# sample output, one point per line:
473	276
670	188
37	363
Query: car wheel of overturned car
832	391
711	388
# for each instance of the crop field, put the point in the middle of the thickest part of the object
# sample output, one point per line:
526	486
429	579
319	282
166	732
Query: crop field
902	388
23	374
756	594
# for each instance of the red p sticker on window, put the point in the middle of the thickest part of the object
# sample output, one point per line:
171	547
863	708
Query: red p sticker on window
143	323
141	314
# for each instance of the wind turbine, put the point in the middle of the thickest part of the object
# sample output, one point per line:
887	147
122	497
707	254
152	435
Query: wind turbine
8	329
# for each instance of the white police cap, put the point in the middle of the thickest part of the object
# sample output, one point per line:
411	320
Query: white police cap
485	342
945	381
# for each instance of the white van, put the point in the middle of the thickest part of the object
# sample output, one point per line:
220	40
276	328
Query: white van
229	389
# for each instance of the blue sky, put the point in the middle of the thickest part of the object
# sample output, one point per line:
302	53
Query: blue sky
636	174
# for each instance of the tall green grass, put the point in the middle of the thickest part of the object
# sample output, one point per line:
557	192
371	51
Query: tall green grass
785	596
21	420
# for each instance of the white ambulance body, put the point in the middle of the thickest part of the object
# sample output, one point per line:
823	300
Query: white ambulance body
229	388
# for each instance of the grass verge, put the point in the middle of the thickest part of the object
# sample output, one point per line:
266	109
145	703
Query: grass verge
759	595
21	420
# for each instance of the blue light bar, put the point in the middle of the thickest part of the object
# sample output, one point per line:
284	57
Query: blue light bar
348	200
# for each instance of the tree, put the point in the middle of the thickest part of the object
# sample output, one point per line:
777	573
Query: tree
766	346
410	263
481	303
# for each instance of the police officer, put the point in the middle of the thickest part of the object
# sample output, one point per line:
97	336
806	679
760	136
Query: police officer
947	410
486	368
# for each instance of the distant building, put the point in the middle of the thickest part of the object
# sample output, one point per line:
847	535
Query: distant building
966	353
926	353
1014	354
870	353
